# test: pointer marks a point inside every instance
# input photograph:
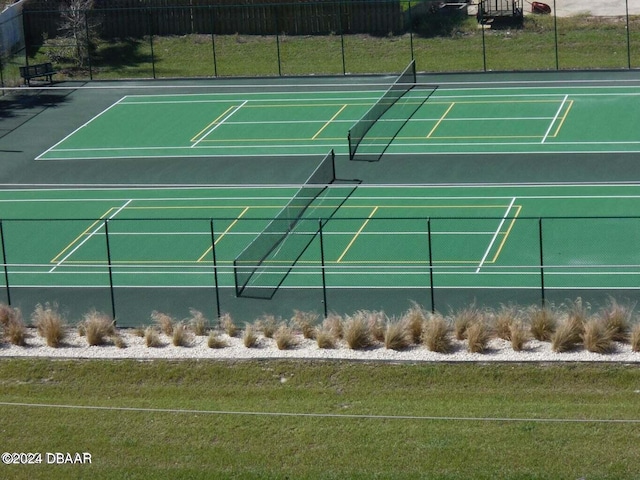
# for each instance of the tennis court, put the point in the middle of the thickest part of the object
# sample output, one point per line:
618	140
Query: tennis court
539	119
402	232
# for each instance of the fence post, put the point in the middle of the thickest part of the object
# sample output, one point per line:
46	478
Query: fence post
411	32
278	41
344	61
542	296
324	280
153	59
626	4
4	263
215	267
484	45
88	46
431	288
555	29
213	40
113	300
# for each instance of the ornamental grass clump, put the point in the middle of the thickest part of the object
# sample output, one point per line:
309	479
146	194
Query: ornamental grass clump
215	341
478	336
376	322
198	323
503	319
597	337
464	318
435	335
617	319
414	319
249	336
267	324
334	324
518	335
396	335
543	322
164	321
181	336
634	338
356	331
325	338
228	325
568	334
306	322
15	330
98	327
152	337
285	337
49	323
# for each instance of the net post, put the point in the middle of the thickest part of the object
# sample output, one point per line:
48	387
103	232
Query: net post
542	293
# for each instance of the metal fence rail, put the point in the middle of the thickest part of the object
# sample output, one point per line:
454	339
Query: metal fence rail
131	267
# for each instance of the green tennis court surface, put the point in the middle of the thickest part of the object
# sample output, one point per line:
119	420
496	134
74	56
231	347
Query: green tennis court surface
517	120
382	237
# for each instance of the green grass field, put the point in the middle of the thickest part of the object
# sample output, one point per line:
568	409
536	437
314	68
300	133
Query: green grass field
295	419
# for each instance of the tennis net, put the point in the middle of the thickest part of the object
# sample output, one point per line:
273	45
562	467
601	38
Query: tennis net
280	239
403	84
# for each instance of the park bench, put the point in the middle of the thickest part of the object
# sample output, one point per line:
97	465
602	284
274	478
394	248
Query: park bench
38	70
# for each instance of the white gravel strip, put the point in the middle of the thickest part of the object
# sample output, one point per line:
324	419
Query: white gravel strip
498	351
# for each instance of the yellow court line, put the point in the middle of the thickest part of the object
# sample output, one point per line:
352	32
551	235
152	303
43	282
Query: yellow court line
84	232
564	117
246	209
212	123
435	127
506	234
373	212
330	120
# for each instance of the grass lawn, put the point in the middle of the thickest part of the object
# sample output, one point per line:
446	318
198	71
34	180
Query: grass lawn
470	420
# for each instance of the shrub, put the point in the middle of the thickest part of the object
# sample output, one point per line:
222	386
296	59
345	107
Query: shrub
356	331
139	332
464	318
198	322
568	334
436	334
617	319
306	322
325	338
249	336
284	337
414	319
164	321
97	327
49	324
181	336
396	335
152	337
6	314
227	325
214	341
634	338
478	336
543	322
596	337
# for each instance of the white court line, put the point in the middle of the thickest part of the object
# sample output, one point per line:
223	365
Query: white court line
495	235
224	119
322	415
80	127
555	118
88	237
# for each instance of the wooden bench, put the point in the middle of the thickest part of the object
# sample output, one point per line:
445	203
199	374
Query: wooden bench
38	70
